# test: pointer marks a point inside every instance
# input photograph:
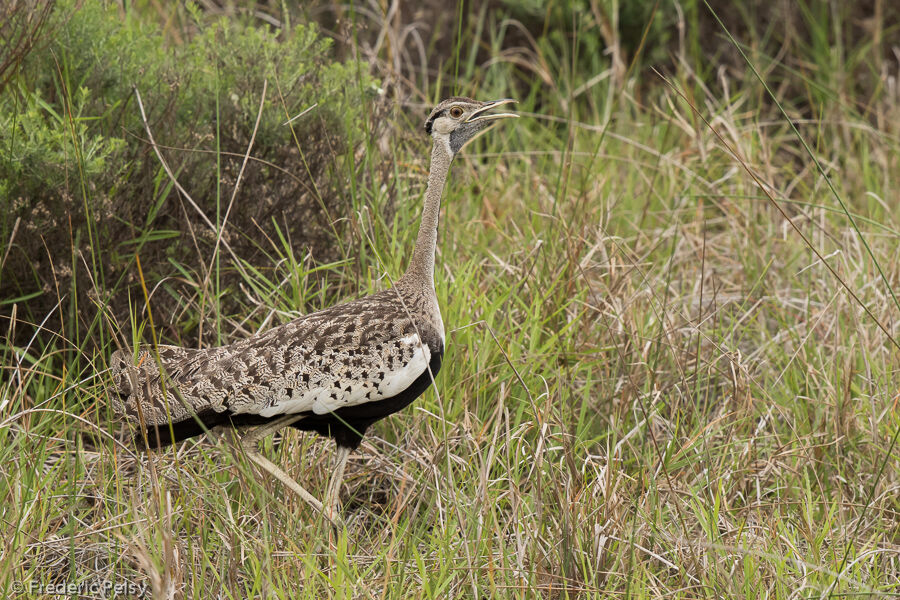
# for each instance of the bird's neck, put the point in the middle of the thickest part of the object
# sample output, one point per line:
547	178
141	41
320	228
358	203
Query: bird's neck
421	266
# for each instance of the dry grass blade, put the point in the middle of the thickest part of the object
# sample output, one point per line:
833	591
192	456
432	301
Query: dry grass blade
177	185
220	230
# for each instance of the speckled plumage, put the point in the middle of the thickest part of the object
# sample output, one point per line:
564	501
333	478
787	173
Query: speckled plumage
349	354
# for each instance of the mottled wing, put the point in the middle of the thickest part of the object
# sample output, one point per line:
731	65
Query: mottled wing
322	384
346	355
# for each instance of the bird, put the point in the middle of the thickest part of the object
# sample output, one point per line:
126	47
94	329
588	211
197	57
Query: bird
334	372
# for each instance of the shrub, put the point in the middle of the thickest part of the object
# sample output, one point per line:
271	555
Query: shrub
80	178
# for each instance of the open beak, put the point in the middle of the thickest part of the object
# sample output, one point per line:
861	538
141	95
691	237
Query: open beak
480	114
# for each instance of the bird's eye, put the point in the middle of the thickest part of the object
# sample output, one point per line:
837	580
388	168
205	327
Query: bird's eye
456	112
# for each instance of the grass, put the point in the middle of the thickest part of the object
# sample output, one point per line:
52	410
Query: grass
654	385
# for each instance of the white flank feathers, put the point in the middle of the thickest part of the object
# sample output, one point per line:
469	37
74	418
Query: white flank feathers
321	399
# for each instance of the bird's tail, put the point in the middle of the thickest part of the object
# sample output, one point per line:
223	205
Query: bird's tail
159	402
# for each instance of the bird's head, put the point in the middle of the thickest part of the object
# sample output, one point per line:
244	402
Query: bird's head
457	121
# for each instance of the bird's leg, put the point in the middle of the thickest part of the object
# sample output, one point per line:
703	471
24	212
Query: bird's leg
257	434
250	442
286	479
334	485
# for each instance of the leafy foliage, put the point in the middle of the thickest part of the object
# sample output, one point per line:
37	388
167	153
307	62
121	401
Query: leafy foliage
77	169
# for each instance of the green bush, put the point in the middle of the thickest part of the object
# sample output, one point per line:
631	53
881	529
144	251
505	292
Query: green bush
79	175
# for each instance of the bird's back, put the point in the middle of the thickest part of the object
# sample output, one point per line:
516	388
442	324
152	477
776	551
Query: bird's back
349	355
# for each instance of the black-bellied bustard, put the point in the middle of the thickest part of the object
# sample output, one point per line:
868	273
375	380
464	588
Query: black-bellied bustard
334	372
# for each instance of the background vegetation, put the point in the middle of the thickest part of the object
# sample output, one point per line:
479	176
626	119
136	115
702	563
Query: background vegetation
670	291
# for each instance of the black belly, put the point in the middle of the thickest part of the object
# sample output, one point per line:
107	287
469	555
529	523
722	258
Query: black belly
346	425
